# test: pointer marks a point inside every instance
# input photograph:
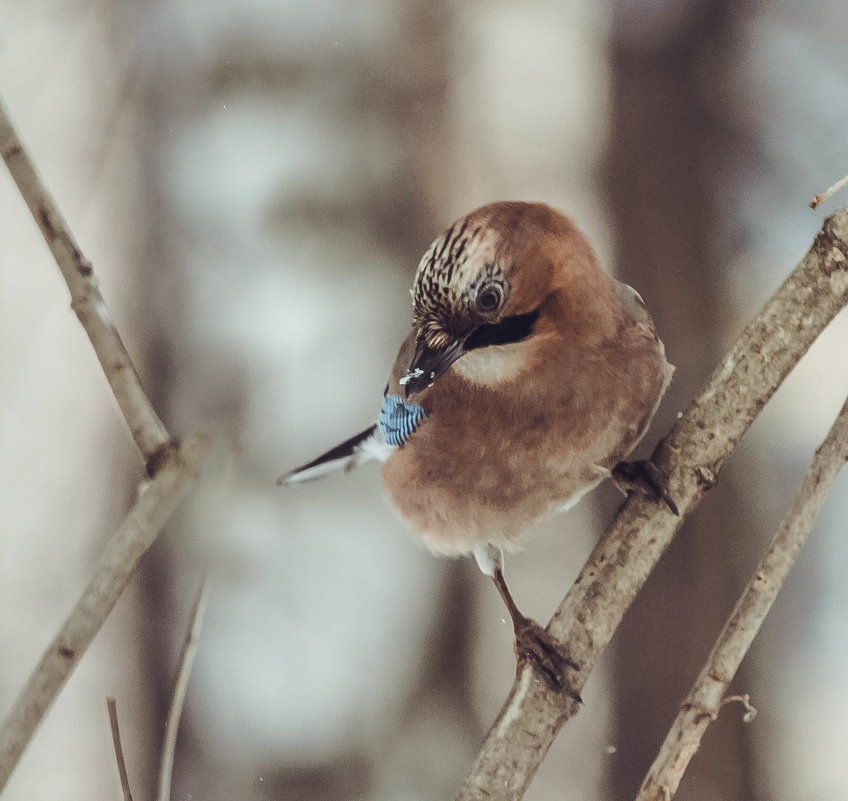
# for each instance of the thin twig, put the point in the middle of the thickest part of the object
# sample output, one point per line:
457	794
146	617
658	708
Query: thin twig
172	466
704	699
691	456
189	650
119	751
745	700
828	193
116	565
147	429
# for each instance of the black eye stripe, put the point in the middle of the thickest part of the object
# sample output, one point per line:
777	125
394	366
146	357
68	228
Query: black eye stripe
510	329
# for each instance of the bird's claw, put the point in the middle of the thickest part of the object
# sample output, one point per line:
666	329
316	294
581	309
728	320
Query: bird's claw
535	645
645	477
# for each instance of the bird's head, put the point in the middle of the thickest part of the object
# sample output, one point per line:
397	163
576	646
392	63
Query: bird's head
482	285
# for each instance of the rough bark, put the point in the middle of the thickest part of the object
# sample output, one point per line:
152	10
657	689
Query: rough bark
692	455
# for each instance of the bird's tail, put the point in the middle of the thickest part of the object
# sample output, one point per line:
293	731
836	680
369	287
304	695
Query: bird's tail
362	447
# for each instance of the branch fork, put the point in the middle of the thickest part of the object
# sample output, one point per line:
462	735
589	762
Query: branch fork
172	466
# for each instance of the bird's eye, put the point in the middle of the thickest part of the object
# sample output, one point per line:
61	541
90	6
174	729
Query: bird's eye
489	299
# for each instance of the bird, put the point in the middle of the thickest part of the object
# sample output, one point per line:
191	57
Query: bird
528	376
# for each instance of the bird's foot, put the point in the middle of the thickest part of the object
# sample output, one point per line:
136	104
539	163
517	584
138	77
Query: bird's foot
645	477
532	643
535	645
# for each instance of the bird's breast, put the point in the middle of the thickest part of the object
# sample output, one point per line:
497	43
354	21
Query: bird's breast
489	460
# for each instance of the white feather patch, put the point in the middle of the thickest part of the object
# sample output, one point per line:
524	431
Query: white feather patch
374	448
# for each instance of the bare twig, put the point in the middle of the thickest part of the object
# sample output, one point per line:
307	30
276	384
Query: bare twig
701	705
172	466
147	429
136	534
828	193
745	700
119	751
692	456
189	649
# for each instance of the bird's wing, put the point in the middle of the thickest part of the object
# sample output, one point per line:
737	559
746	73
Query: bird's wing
399	418
401	367
633	304
635	307
397	421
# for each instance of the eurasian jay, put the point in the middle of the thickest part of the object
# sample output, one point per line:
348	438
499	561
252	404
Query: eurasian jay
527	378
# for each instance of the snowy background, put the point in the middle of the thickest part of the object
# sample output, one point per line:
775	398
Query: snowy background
255	183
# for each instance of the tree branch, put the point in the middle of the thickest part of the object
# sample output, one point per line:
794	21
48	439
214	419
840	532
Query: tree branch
701	705
692	456
147	429
173	467
112	573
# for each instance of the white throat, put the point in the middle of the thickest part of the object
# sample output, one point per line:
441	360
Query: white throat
493	364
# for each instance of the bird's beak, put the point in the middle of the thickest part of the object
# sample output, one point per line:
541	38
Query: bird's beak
429	363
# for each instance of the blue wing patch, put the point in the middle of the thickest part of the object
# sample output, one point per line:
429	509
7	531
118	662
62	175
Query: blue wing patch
398	420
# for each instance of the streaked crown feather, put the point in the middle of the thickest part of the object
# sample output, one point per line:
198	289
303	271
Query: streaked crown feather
451	273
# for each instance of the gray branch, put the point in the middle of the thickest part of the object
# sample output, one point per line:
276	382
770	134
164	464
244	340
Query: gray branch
113	571
692	456
147	429
173	467
702	704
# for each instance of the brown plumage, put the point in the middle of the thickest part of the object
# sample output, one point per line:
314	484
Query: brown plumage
529	374
515	432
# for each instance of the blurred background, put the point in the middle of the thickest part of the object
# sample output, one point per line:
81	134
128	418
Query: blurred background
255	182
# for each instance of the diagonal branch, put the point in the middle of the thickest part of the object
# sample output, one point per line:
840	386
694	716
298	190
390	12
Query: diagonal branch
147	429
173	466
111	574
692	456
701	706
